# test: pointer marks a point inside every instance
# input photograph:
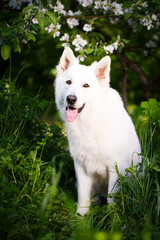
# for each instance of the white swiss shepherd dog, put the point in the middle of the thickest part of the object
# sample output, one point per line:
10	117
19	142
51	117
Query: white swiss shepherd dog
99	130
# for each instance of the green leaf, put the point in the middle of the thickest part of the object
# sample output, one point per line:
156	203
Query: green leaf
40	18
127	15
33	154
5	51
89	51
30	36
16	46
26	9
126	41
52	17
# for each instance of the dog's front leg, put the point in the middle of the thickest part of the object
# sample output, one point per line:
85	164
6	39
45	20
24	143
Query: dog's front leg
84	182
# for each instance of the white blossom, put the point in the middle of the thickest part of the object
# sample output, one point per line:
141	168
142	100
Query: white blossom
50	28
133	24
129	9
105	5
151	44
85	3
78	12
54	28
70	12
44	10
145	53
98	4
56	34
144	4
65	45
147	21
59	7
117	8
110	48
16	4
82	58
65	37
115	45
72	22
79	42
154	17
24	41
87	28
34	20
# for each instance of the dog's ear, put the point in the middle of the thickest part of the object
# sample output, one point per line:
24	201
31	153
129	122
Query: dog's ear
102	69
66	60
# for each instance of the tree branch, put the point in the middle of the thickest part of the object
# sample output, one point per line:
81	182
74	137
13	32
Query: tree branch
138	70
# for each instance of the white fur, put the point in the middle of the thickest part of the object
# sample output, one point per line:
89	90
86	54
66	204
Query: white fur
102	134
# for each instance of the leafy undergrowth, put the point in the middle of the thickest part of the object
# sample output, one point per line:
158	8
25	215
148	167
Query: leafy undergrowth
37	182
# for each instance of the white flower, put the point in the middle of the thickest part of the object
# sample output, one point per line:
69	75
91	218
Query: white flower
110	48
117	8
16	3
54	28
129	9
147	22
65	45
56	34
87	28
151	44
78	12
35	21
85	3
98	4
145	5
58	26
72	22
44	10
79	42
70	13
133	24
115	45
24	41
65	37
50	28
105	5
59	8
154	17
145	53
82	58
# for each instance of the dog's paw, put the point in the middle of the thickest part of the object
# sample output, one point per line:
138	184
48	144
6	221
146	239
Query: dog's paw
81	211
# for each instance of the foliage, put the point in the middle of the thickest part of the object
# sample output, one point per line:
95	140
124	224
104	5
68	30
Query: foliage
37	182
53	16
30	156
126	30
36	179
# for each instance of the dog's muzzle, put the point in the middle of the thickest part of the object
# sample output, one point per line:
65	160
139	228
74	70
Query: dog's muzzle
71	111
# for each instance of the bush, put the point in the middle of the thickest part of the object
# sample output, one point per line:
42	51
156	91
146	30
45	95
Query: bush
32	154
37	182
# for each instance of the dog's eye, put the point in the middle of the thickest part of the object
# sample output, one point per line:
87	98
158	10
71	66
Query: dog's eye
86	85
68	82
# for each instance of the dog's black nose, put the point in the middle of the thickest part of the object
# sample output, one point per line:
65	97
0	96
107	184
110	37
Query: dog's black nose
71	99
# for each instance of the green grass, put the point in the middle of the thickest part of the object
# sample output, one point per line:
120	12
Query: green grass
37	181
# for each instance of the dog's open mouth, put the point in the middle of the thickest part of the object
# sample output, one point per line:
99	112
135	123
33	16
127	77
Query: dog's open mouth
72	113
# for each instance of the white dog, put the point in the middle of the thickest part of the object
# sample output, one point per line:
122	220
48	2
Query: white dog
99	130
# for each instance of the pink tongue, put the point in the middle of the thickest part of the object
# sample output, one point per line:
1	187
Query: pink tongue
71	114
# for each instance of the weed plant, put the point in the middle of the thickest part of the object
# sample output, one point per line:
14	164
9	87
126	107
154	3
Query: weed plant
37	182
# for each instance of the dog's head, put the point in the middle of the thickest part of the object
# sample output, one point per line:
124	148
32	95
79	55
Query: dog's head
78	85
